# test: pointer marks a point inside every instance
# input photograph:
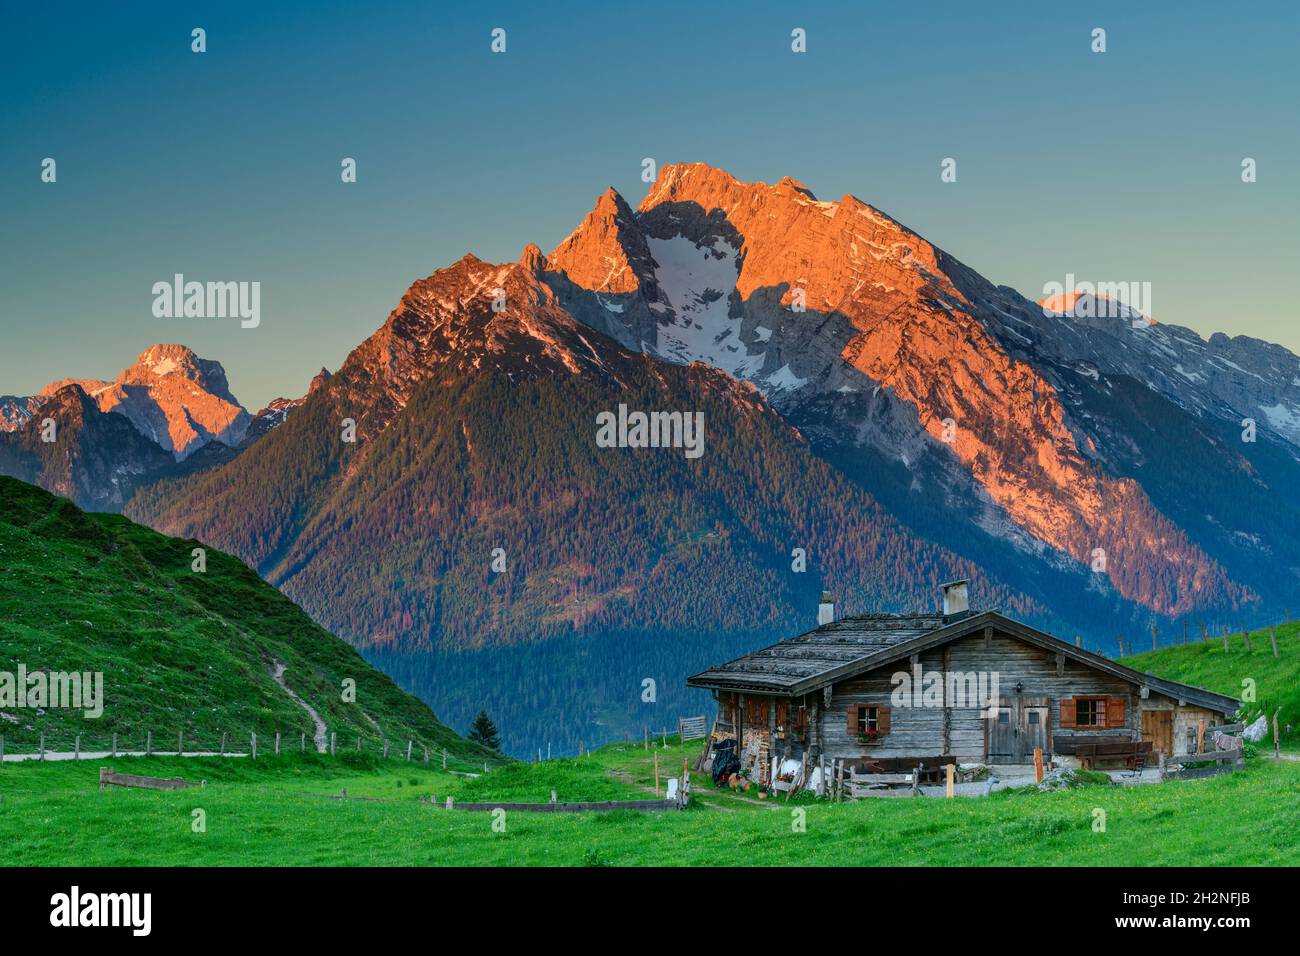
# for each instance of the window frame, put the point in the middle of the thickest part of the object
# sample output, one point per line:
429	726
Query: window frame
869	719
1097	703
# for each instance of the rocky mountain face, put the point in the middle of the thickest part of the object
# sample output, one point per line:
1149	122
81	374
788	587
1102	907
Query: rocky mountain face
888	352
178	400
179	413
72	448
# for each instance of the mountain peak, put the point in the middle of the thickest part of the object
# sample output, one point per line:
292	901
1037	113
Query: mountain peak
165	358
532	259
606	253
171	395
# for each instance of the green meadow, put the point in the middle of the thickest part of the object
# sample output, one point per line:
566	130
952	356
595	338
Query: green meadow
290	810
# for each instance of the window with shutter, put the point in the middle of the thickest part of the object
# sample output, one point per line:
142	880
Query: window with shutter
868	722
1089	713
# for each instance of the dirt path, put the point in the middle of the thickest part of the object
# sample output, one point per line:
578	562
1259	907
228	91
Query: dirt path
715	799
277	671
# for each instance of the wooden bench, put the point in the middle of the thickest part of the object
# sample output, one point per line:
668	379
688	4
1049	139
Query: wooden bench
1089	752
932	768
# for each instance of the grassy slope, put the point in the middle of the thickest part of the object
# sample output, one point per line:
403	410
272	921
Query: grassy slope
273	813
1277	680
179	650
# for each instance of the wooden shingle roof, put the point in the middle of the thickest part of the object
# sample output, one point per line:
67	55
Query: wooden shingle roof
854	645
797	660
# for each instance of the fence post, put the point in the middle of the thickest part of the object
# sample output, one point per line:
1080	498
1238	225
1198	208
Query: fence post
358	745
253	741
42	746
409	745
302	744
223	743
333	742
444	758
426	752
277	743
77	752
2	748
385	748
148	743
180	743
1272	636
114	743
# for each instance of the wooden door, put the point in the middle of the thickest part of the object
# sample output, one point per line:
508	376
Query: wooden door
1033	731
1002	736
1158	727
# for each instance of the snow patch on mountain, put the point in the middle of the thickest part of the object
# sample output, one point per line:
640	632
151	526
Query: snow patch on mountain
697	282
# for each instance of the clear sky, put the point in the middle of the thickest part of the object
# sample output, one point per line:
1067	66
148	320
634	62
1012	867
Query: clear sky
1122	166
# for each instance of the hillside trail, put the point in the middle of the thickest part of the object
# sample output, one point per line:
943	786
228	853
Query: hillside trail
318	737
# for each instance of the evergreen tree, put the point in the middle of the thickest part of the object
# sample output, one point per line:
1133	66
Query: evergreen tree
484	732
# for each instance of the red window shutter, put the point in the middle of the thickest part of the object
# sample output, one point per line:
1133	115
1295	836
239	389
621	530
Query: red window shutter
853	720
882	719
1114	711
1068	713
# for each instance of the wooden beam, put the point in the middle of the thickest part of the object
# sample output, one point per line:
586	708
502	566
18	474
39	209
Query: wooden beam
947	701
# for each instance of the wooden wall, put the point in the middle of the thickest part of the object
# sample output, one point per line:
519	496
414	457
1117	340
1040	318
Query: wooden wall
922	732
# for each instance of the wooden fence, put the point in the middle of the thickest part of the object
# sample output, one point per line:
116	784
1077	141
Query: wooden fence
86	747
692	728
1220	761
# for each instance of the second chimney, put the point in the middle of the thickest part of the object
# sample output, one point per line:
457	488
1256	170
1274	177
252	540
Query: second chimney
826	609
956	599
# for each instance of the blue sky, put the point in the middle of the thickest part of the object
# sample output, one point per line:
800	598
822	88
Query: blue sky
1122	166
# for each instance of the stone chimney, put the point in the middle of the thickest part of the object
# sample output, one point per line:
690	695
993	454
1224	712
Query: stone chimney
826	609
956	600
